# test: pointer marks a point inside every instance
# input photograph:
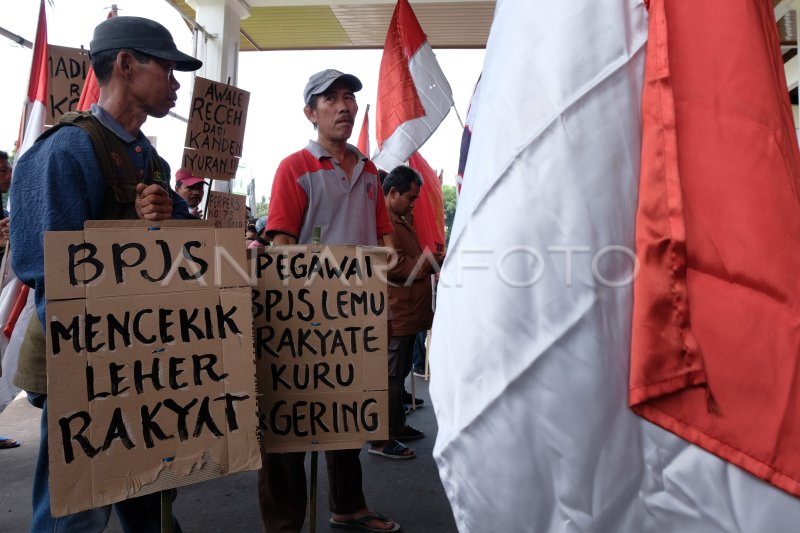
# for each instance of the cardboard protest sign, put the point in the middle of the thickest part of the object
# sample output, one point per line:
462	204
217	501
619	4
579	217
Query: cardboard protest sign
68	68
215	133
177	256
147	390
319	316
227	210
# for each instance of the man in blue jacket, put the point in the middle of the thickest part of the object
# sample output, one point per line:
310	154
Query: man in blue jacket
98	165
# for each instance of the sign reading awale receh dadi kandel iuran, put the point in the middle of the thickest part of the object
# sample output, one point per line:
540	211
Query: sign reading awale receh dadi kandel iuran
215	133
320	317
150	363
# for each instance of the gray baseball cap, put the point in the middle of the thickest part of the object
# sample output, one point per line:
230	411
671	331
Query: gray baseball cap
318	83
143	35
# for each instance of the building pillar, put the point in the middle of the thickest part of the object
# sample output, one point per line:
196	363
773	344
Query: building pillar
219	51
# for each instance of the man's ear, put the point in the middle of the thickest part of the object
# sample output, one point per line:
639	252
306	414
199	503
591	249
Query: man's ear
310	114
124	62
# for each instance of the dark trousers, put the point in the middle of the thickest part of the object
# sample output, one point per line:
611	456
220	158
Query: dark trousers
401	350
282	488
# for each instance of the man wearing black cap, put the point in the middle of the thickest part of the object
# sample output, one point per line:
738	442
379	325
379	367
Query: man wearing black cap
329	184
95	165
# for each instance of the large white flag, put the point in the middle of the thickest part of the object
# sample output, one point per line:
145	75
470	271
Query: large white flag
531	338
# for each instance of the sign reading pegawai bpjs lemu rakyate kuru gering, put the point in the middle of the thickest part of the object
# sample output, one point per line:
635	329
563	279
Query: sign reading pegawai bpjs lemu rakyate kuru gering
320	326
150	368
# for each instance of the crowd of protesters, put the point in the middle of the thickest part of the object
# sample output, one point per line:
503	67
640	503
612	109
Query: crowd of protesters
329	186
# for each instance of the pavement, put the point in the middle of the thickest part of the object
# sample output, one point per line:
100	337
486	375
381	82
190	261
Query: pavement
408	491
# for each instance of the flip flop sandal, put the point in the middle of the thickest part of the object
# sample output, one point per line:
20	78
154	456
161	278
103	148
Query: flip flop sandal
360	524
393	450
6	443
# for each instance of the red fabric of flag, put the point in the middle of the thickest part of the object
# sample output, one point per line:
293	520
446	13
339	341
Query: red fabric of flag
429	208
397	96
716	303
90	93
91	89
37	83
363	135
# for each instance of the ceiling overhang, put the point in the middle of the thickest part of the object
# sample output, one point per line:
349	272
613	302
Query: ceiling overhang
356	24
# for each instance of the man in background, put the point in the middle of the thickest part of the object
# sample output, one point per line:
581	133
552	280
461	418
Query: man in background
192	189
95	165
410	301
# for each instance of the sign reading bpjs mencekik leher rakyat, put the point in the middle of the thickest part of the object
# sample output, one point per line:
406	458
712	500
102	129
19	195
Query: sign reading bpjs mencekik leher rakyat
150	363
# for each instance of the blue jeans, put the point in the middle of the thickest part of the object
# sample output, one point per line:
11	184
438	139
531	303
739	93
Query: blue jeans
418	362
142	514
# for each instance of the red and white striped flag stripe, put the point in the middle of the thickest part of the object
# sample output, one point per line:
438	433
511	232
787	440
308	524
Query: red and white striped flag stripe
413	93
36	104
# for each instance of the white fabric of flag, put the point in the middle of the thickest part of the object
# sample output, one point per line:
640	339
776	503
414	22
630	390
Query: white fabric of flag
437	99
531	339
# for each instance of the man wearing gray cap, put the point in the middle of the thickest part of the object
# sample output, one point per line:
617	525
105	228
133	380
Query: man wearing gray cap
95	165
331	185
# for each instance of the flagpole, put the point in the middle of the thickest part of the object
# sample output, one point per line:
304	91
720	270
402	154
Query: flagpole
458	116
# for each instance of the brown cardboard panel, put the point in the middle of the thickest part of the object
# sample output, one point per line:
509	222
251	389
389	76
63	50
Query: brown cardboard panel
169	223
324	421
57	285
109	260
68	69
227	210
214	136
319	318
231	259
148	392
169	367
241	381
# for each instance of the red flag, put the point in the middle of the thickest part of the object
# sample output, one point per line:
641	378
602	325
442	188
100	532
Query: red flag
36	104
413	93
429	209
91	90
363	136
715	339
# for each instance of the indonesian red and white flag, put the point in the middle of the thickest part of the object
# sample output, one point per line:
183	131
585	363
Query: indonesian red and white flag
16	301
413	93
531	342
363	135
36	104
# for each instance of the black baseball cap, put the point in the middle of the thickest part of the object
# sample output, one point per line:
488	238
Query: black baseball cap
143	35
